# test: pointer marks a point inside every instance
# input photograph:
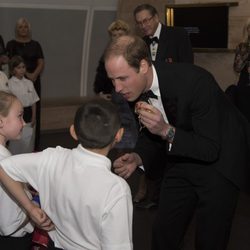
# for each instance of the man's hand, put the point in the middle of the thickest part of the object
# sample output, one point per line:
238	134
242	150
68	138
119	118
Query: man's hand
125	165
151	118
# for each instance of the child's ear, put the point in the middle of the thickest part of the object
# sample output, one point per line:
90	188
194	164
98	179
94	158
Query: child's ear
1	122
73	132
119	135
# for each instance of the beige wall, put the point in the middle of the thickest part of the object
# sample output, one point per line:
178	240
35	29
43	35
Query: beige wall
218	63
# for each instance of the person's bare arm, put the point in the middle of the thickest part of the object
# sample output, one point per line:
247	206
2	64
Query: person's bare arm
16	189
40	66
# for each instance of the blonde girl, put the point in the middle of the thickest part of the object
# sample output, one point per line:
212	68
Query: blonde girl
15	229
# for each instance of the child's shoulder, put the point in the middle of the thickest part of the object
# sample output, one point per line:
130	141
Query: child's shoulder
57	149
121	184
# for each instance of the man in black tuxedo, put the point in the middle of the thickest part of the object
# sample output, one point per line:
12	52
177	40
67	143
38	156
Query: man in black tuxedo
204	138
169	44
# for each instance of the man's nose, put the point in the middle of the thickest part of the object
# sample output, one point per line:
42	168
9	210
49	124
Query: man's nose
118	86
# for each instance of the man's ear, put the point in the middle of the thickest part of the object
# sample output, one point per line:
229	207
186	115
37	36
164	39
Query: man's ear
144	66
73	132
119	135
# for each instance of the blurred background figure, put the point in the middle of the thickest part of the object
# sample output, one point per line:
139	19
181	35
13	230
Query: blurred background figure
3	56
103	87
169	44
242	56
24	89
31	51
240	94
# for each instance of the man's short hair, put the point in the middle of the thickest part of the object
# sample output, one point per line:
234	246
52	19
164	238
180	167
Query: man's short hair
132	48
151	9
96	123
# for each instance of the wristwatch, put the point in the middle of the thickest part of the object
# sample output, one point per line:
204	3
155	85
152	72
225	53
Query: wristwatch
170	134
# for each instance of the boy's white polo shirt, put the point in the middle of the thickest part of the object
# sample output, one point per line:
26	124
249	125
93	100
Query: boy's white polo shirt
90	206
11	215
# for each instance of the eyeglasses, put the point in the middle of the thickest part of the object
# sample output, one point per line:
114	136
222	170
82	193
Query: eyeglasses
145	21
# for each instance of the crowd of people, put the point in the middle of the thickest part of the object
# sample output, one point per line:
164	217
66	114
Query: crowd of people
168	118
25	59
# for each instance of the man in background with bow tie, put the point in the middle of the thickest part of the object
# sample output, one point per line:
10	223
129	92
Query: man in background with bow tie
169	44
204	139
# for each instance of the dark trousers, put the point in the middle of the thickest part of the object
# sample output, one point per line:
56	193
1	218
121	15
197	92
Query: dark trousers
51	246
190	189
16	243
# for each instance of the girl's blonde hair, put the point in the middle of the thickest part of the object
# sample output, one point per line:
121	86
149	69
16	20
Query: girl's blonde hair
118	25
6	100
245	31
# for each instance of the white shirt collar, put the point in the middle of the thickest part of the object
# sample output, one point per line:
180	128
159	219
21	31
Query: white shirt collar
155	83
157	32
100	160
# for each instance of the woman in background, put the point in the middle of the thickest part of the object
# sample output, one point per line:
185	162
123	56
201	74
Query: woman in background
242	56
31	51
241	92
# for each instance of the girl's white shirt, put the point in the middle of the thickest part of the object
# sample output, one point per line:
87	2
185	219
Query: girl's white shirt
11	215
24	90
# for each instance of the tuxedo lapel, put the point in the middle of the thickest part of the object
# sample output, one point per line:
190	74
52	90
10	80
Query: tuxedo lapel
169	101
170	107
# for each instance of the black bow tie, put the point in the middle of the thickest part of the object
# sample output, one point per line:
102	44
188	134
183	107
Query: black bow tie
154	40
149	94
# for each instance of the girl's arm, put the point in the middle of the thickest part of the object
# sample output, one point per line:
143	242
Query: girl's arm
16	189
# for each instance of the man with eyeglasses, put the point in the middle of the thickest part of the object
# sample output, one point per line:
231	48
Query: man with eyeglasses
169	44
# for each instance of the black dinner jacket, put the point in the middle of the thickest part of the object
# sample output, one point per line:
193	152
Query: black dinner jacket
209	129
173	43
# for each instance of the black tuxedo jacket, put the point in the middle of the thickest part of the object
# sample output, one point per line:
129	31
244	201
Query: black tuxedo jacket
174	45
209	129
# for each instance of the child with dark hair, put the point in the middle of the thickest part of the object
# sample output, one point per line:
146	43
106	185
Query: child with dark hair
90	206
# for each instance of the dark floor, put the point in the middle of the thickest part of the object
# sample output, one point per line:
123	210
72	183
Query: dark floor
240	235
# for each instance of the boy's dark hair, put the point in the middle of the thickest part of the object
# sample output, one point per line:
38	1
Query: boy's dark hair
151	9
14	62
96	123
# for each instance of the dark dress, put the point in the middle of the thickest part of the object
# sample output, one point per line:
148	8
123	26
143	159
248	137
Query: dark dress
30	52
